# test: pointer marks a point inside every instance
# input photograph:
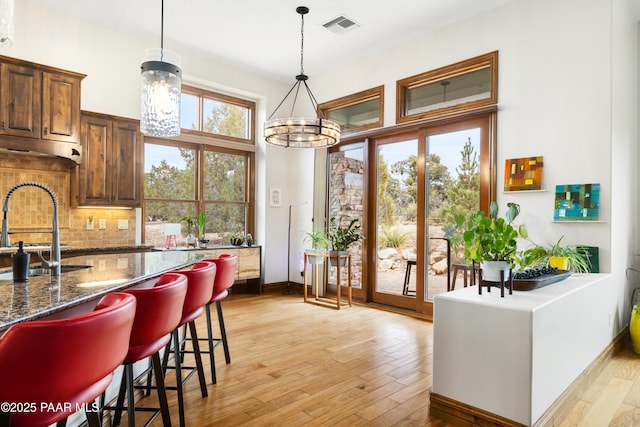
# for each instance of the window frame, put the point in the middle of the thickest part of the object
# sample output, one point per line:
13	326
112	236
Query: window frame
354	99
201	94
488	60
204	141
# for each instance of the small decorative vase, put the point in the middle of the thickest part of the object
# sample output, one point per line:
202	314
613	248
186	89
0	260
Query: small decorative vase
634	328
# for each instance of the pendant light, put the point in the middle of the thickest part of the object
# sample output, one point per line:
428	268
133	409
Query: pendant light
161	90
301	132
6	22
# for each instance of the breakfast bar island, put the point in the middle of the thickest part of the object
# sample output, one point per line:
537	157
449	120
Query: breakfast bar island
84	281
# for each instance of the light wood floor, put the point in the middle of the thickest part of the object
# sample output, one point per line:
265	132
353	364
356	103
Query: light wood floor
297	364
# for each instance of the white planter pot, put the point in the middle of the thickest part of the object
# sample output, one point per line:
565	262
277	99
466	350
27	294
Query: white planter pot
313	257
491	270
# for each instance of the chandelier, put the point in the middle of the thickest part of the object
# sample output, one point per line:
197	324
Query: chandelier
161	90
301	132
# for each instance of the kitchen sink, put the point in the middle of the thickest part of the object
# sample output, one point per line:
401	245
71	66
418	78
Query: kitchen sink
39	271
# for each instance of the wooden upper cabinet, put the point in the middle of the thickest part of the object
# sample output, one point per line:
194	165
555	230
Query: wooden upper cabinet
20	100
60	107
111	168
39	102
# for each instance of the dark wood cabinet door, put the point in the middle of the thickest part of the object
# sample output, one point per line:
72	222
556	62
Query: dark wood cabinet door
127	162
20	101
95	184
60	107
111	169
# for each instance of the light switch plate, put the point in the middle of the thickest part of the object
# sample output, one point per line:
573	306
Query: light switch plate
123	224
102	224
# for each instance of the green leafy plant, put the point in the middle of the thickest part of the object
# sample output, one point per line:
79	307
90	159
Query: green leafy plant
490	238
190	221
236	238
340	238
200	221
317	239
538	256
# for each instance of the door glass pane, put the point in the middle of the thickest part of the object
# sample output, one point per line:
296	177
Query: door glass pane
346	195
396	218
453	182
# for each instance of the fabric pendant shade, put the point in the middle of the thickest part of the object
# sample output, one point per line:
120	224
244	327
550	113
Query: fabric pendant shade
161	91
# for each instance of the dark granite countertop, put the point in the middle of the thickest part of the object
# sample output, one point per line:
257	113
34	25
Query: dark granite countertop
7	252
45	295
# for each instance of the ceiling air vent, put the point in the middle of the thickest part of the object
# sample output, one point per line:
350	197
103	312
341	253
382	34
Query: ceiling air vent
340	25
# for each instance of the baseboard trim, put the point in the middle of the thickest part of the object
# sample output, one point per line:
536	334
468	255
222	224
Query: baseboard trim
296	288
463	415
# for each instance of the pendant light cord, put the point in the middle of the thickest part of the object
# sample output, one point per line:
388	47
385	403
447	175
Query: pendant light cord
302	44
162	31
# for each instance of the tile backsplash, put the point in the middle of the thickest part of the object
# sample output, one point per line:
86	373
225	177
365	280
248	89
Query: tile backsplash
30	208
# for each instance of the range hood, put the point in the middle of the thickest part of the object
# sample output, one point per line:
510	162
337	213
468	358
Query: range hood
38	147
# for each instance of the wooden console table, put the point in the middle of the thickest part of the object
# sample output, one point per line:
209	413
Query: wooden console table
249	267
336	303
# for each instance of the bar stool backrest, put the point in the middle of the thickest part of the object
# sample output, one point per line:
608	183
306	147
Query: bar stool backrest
67	360
225	275
200	281
158	312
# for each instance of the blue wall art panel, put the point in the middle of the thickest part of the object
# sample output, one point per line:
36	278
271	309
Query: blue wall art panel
577	202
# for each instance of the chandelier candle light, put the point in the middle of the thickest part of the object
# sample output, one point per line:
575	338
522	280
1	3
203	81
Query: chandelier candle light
161	88
301	132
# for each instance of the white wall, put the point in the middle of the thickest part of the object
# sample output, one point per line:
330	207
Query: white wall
568	91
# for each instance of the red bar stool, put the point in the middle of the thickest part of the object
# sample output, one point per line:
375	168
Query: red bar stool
158	313
225	277
199	288
66	363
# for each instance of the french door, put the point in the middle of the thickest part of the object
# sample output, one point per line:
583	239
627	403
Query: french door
420	180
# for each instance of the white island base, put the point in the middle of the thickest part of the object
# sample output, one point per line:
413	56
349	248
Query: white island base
514	356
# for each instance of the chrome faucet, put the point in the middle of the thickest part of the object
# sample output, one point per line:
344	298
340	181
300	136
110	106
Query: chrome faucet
54	259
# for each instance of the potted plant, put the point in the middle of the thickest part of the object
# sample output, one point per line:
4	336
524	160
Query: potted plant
249	239
492	241
236	238
562	257
190	240
319	244
341	238
200	221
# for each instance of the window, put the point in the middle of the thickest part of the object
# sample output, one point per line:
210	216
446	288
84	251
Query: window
204	112
458	87
357	112
183	178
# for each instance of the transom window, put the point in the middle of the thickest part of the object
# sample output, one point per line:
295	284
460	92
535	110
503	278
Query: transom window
216	114
357	112
458	87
